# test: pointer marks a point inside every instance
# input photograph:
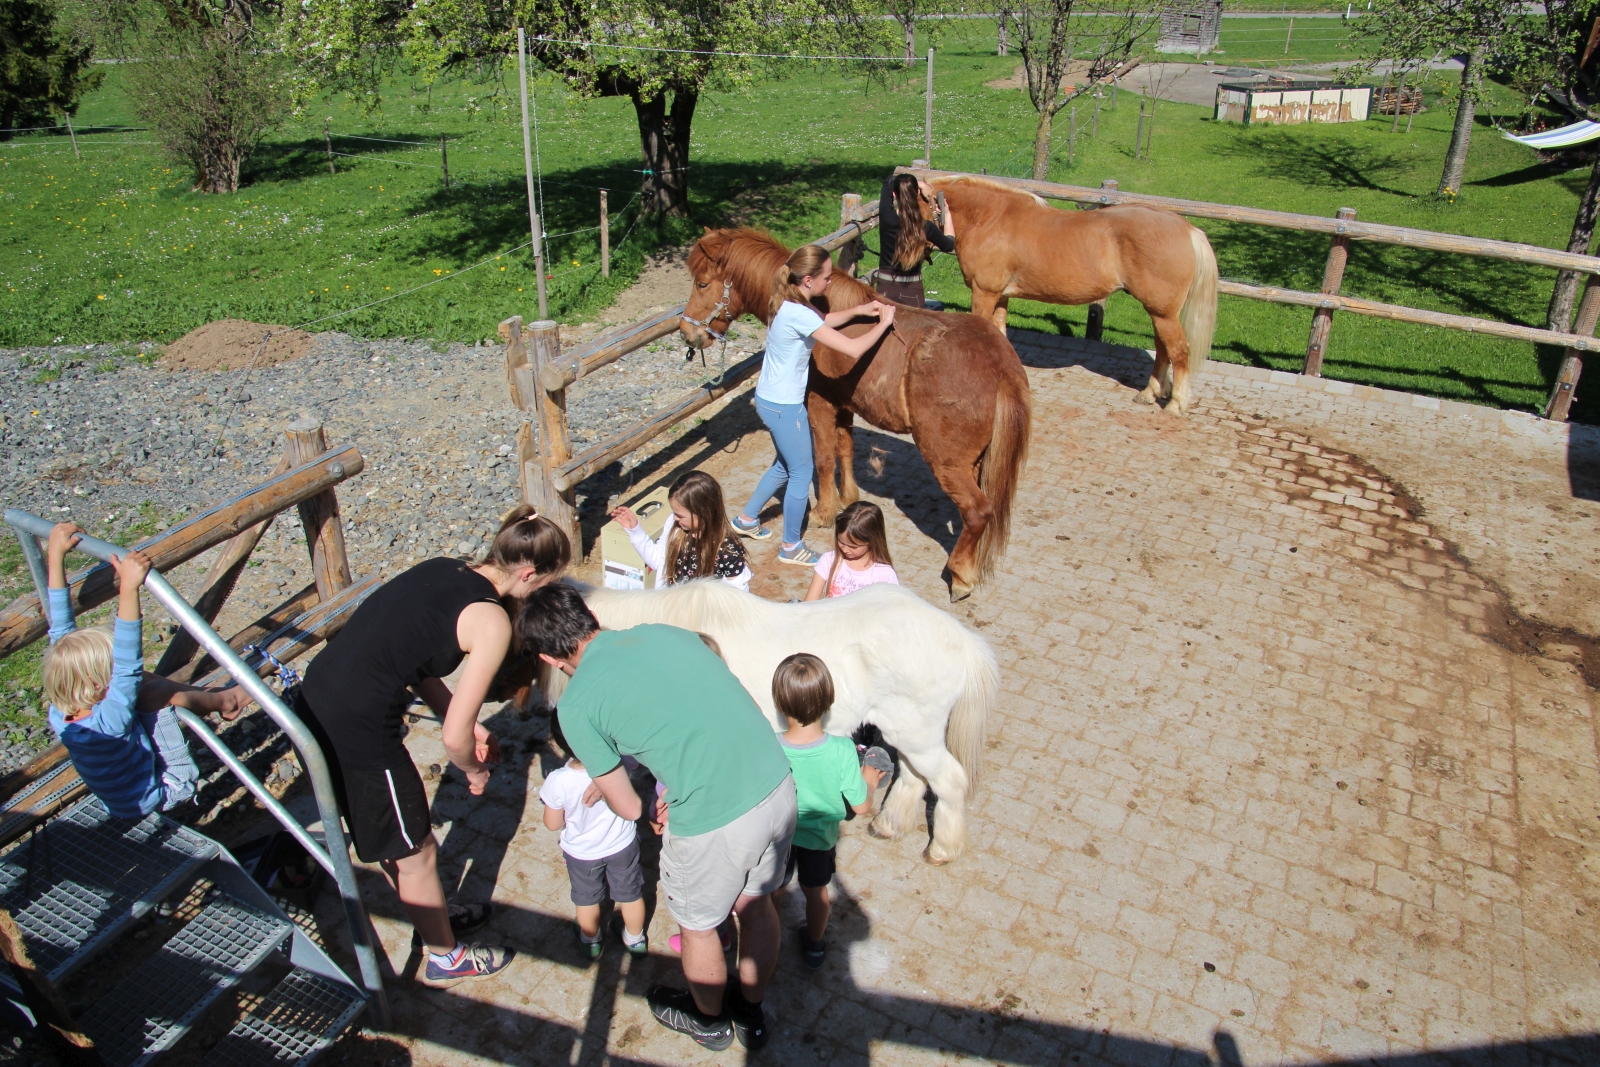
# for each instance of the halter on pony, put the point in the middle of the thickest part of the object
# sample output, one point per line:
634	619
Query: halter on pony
711	316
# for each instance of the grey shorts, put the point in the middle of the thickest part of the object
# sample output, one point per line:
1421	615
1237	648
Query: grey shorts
704	875
620	871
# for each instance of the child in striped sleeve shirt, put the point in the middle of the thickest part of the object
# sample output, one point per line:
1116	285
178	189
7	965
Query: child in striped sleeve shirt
116	721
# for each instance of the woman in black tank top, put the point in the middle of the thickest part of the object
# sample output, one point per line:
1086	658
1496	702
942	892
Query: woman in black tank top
405	638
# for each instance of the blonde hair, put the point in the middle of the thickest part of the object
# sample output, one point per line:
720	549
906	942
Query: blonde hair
77	669
804	262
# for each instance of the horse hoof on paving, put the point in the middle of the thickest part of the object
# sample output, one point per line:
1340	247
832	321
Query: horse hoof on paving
959	592
1143	398
881	833
933	861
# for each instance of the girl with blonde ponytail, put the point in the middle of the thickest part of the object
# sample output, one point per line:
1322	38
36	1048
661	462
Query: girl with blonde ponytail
781	391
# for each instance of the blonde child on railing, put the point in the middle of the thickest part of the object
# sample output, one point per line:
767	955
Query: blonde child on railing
116	721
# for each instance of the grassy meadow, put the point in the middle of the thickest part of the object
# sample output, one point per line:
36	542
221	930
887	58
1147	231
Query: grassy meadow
115	247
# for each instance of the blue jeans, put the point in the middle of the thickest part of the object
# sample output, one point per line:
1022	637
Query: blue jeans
180	776
791	471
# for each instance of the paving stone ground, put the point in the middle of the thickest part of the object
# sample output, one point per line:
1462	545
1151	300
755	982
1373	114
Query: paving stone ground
1295	760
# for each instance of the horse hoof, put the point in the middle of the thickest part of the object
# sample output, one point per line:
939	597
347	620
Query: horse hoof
1143	398
933	861
881	833
959	591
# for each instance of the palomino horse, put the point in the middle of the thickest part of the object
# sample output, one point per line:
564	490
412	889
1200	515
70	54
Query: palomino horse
953	382
1010	244
916	673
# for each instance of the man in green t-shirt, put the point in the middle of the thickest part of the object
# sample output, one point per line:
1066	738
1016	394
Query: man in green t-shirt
659	694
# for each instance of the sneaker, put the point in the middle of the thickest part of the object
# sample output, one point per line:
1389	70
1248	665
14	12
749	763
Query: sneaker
589	950
478	961
619	928
749	1020
755	531
465	918
798	556
675	1009
813	952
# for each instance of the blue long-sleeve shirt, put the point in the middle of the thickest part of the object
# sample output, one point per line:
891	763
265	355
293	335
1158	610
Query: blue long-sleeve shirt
109	746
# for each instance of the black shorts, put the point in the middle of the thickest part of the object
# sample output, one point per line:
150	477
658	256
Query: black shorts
620	872
384	805
814	865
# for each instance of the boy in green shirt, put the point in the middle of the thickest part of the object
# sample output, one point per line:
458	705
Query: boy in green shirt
827	775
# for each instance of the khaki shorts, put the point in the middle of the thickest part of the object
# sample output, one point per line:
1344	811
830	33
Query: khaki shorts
704	875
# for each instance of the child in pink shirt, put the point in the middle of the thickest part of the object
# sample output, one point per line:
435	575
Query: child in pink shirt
860	555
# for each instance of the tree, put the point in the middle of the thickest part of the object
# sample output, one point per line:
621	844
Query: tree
1487	32
907	12
659	54
1051	36
43	71
1567	55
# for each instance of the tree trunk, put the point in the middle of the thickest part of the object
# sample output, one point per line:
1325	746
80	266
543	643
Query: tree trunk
1455	160
1568	282
664	137
911	41
1001	50
1041	142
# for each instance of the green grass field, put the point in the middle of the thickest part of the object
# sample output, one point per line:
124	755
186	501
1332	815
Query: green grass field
116	248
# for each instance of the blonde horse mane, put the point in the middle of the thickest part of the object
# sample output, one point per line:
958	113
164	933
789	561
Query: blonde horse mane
988	183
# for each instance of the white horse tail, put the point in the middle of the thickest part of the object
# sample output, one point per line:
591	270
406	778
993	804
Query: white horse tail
551	681
969	720
1199	315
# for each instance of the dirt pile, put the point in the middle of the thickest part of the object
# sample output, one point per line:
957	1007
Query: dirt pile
232	344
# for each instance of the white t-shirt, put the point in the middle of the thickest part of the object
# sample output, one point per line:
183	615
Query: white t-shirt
847	580
788	360
590	833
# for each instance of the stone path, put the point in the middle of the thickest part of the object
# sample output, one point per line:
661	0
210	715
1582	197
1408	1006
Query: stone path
1295	760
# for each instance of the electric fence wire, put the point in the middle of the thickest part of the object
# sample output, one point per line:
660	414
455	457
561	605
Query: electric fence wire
716	52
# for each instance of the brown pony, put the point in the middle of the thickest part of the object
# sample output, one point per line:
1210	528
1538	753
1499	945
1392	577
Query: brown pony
951	381
1010	244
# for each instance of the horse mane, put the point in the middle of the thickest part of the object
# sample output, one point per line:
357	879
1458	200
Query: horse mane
703	604
988	183
846	292
748	258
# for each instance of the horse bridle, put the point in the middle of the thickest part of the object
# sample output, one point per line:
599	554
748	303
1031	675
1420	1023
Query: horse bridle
711	316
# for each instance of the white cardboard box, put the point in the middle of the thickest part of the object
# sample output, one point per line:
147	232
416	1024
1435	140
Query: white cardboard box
623	567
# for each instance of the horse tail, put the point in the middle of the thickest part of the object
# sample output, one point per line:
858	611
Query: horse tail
1199	315
969	720
550	681
1003	461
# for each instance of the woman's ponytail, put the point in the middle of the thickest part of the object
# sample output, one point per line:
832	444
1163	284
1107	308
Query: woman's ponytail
527	539
804	262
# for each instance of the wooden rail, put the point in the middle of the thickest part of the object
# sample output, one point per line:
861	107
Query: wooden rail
1342	229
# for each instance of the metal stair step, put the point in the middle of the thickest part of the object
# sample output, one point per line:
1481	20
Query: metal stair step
153	1007
303	1015
76	882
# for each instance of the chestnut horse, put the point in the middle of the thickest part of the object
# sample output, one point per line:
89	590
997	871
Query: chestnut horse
953	382
1010	244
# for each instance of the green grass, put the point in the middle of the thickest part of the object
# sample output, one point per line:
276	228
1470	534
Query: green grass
298	244
1261	40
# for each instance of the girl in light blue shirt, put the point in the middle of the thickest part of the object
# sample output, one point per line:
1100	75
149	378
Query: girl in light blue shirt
781	390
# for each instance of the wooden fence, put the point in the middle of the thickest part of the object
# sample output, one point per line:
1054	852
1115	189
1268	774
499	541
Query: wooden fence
539	373
1342	229
304	479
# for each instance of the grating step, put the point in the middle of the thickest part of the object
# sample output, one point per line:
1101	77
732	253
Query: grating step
154	1006
78	880
302	1015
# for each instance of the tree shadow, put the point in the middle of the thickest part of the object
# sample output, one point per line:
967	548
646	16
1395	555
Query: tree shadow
1317	161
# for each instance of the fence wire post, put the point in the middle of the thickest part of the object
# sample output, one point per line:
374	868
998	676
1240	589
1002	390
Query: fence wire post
605	237
444	163
927	125
850	252
1332	279
327	139
74	135
1564	393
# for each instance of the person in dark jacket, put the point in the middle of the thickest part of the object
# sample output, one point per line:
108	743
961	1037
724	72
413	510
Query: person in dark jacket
905	248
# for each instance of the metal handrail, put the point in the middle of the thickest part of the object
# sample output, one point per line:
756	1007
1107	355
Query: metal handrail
311	757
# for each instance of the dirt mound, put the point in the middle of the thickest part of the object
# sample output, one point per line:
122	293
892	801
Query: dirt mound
231	344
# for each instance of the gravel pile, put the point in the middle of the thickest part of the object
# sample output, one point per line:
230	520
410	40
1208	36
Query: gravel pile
121	445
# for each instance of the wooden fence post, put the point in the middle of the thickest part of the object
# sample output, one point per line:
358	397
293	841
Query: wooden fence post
1095	326
605	237
850	253
327	139
1562	395
444	163
528	350
1332	279
54	1018
320	514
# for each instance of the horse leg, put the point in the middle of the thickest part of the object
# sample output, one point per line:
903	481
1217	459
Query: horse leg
1157	389
1000	307
824	418
960	482
983	302
902	807
949	783
845	446
1175	346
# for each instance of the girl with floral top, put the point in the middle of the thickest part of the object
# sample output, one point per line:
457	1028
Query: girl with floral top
860	555
697	540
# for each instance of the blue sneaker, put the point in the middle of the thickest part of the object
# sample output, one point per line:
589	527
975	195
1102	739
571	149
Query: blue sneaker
798	556
755	531
478	961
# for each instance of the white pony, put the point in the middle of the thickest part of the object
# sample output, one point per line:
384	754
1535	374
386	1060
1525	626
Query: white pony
915	672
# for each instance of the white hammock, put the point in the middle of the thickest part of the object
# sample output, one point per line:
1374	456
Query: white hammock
1566	136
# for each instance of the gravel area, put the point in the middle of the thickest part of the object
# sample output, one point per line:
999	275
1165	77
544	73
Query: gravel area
122	445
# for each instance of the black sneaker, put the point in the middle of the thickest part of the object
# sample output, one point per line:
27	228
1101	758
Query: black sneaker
749	1020
676	1010
813	952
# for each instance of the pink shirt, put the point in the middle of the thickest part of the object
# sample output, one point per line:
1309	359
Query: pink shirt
848	580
